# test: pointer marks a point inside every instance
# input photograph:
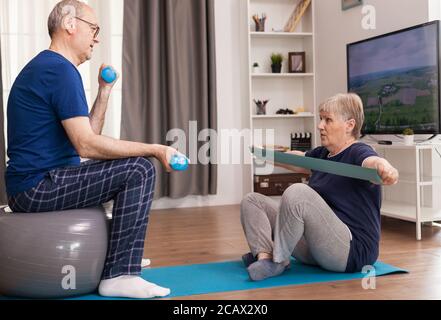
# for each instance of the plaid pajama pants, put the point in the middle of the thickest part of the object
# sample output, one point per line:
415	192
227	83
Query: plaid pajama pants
129	182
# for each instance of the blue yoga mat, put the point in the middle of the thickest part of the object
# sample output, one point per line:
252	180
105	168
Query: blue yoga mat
232	276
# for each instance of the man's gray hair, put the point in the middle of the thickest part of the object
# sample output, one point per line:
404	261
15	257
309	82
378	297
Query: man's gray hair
60	11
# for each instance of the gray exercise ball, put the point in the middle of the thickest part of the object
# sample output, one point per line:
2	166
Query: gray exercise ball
52	255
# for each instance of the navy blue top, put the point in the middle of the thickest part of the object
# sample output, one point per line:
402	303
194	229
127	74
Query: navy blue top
47	91
356	203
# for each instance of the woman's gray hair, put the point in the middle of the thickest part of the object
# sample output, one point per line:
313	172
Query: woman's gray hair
60	11
347	106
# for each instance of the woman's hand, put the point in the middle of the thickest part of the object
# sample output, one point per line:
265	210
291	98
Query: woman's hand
294	168
388	174
297	153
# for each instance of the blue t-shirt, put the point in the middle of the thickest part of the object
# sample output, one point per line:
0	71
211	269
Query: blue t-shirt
356	203
47	91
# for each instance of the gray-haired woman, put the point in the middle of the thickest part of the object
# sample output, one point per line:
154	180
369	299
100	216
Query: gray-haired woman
334	221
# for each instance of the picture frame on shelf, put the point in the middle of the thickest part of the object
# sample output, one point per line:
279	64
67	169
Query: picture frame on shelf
297	62
348	4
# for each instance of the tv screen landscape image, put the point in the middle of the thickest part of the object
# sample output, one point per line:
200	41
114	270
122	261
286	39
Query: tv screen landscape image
397	77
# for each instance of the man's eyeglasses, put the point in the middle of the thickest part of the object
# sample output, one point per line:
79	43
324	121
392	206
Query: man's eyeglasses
95	28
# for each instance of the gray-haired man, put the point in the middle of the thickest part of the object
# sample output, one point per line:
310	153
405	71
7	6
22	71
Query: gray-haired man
50	127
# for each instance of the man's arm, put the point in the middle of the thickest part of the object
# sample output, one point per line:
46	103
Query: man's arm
385	170
97	115
98	112
90	145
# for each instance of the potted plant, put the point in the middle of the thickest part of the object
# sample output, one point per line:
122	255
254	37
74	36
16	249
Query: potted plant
256	67
408	137
276	62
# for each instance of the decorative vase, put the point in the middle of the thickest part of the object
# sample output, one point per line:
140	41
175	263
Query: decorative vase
260	27
276	68
261	107
261	110
409	140
260	22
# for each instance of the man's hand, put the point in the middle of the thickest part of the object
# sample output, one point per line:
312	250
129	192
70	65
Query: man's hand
103	84
164	154
93	146
98	111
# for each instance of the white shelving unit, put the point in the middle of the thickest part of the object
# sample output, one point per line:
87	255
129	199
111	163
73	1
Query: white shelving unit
280	34
416	197
282	75
284	90
281	116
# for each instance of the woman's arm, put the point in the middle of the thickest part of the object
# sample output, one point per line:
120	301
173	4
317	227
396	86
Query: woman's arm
385	170
294	168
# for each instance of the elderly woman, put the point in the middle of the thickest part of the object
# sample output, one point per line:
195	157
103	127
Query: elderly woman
334	221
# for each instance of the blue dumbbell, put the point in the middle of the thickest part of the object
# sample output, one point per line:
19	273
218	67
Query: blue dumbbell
108	74
179	162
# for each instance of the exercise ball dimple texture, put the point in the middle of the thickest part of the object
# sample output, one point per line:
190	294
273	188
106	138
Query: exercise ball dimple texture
41	253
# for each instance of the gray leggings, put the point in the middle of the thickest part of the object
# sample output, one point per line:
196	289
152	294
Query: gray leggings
304	226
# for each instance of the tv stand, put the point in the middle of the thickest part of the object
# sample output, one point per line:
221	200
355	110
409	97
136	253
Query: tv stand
415	197
432	137
435	139
385	142
375	141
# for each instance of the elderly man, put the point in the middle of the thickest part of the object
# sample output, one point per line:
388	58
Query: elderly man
50	128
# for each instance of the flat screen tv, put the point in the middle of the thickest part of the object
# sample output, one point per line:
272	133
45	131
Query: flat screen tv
397	77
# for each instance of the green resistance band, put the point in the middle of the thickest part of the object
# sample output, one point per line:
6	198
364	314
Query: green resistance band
341	169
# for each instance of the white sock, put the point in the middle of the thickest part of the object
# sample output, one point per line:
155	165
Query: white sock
131	287
145	263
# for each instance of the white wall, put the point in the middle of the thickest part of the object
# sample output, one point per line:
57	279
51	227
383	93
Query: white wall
336	28
232	95
109	51
434	9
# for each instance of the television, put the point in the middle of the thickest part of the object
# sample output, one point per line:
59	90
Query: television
397	77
